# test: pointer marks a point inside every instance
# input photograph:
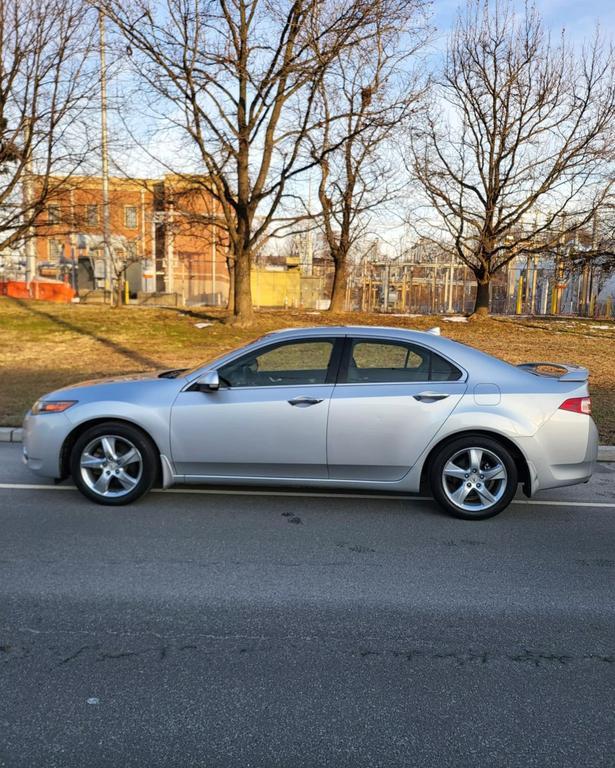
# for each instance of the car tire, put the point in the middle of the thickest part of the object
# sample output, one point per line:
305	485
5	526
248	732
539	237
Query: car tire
473	477
113	463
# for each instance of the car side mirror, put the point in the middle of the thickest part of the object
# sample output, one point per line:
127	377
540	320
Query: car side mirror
210	382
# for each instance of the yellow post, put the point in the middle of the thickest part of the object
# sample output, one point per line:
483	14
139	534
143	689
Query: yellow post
519	307
554	293
592	306
126	292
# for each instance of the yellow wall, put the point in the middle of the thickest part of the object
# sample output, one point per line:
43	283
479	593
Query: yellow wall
276	289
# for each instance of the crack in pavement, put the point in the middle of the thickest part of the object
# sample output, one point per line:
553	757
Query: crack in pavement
458	657
74	655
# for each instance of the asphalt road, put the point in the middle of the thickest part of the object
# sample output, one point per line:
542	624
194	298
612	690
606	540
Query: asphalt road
208	629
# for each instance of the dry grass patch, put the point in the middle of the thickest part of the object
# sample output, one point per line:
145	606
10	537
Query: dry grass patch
44	346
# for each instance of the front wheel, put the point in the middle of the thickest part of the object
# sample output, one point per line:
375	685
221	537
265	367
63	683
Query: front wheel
113	463
473	477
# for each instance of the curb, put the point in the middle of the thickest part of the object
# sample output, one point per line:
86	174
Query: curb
606	453
10	434
13	435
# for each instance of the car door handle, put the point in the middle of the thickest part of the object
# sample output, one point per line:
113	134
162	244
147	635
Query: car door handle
304	402
430	396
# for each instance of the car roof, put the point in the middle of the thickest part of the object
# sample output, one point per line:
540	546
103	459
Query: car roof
431	339
343	330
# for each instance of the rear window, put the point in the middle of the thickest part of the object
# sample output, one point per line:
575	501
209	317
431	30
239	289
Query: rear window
373	362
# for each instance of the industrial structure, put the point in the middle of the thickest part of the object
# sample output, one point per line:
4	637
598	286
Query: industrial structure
167	238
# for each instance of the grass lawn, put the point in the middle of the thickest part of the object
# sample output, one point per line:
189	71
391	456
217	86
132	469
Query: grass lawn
44	346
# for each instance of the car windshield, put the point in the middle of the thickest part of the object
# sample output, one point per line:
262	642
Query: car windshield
209	363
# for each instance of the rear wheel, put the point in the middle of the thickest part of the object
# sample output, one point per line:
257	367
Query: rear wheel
473	477
113	463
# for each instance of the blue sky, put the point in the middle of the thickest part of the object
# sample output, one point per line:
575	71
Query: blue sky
579	17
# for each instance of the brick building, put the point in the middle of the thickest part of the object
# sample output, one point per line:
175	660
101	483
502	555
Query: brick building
168	231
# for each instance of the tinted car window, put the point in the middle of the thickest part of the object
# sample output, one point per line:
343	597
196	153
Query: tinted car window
288	363
388	361
442	370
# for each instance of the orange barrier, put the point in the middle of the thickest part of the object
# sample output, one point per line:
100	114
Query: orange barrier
46	291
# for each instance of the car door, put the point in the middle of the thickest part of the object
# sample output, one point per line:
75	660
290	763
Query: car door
267	419
391	398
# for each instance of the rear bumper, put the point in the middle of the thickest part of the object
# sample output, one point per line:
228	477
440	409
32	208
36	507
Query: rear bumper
562	452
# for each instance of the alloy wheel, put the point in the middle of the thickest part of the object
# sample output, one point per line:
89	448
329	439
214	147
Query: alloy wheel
111	466
474	479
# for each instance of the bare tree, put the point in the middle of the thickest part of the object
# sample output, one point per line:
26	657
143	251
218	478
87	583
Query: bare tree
46	84
518	140
226	73
598	246
365	97
590	250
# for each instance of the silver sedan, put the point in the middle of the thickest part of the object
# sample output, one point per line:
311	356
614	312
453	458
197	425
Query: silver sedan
384	409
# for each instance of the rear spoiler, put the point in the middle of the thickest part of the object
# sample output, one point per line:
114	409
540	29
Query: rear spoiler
570	372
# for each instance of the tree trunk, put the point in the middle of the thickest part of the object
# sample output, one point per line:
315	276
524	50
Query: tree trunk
340	282
230	304
117	290
481	305
243	312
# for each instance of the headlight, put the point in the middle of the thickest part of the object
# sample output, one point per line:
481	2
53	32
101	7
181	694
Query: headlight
52	406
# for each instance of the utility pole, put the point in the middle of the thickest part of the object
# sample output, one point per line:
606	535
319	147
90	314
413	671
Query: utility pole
213	260
30	247
105	154
169	269
387	279
73	242
451	276
534	278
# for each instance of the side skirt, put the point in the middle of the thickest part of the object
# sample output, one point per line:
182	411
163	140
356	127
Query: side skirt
403	486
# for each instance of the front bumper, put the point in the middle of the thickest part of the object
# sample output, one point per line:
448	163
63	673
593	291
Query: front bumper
42	440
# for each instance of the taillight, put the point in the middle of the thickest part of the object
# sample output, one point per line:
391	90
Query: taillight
577	405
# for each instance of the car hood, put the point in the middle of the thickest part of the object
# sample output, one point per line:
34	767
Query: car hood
161	374
131	388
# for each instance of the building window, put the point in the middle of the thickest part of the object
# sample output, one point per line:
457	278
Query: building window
56	251
91	215
130	216
53	214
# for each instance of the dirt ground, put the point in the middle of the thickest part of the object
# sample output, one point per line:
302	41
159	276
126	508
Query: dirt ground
44	346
